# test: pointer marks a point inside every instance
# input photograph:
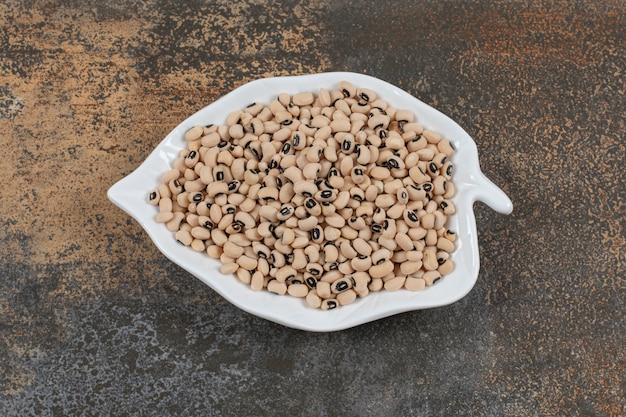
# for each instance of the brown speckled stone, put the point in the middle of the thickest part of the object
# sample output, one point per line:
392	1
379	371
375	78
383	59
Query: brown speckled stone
94	320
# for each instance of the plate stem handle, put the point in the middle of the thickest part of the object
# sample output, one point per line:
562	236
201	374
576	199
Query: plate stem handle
490	194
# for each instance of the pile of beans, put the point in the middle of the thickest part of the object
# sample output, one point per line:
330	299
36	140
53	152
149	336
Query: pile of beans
325	196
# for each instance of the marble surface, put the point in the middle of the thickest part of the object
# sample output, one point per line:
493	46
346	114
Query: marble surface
94	320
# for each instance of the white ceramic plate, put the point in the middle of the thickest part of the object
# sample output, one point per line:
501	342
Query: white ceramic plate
131	193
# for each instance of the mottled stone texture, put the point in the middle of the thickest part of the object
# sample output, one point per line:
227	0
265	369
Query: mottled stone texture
95	321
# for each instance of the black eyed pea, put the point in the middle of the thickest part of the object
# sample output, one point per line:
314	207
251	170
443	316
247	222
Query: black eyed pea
217	188
385	201
289	237
346	297
229	268
331	233
410	267
183	237
429	261
371	193
366	95
426	154
439	185
165	205
314	269
200	232
335	220
417	233
164	216
394	141
232	250
431	136
387	242
326	195
356	223
154	197
257	281
268	194
360	280
450	190
396	211
214	251
361	263
440	159
430	277
305	188
244	276
347	89
364	156
324	97
286	273
317	234
440	220
261	250
428	221
431	237
173	224
218	237
414	284
323	288
380	173
312	206
308	223
194	133
442	256
412	219
242	240
404	241
445	244
375	285
446	267
444	146
285	212
376	228
447	207
450	235
331	253
303	99
340	125
447	169
379	270
298	290
277	259
164	192
404	115
366	234
394	283
347	250
348	144
247	262
418	175
362	247
299	259
277	287
329	304
378	121
341	285
313	300
380	256
402	196
310	280
358	174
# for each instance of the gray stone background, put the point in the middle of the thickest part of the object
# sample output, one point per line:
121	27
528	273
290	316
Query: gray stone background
94	320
